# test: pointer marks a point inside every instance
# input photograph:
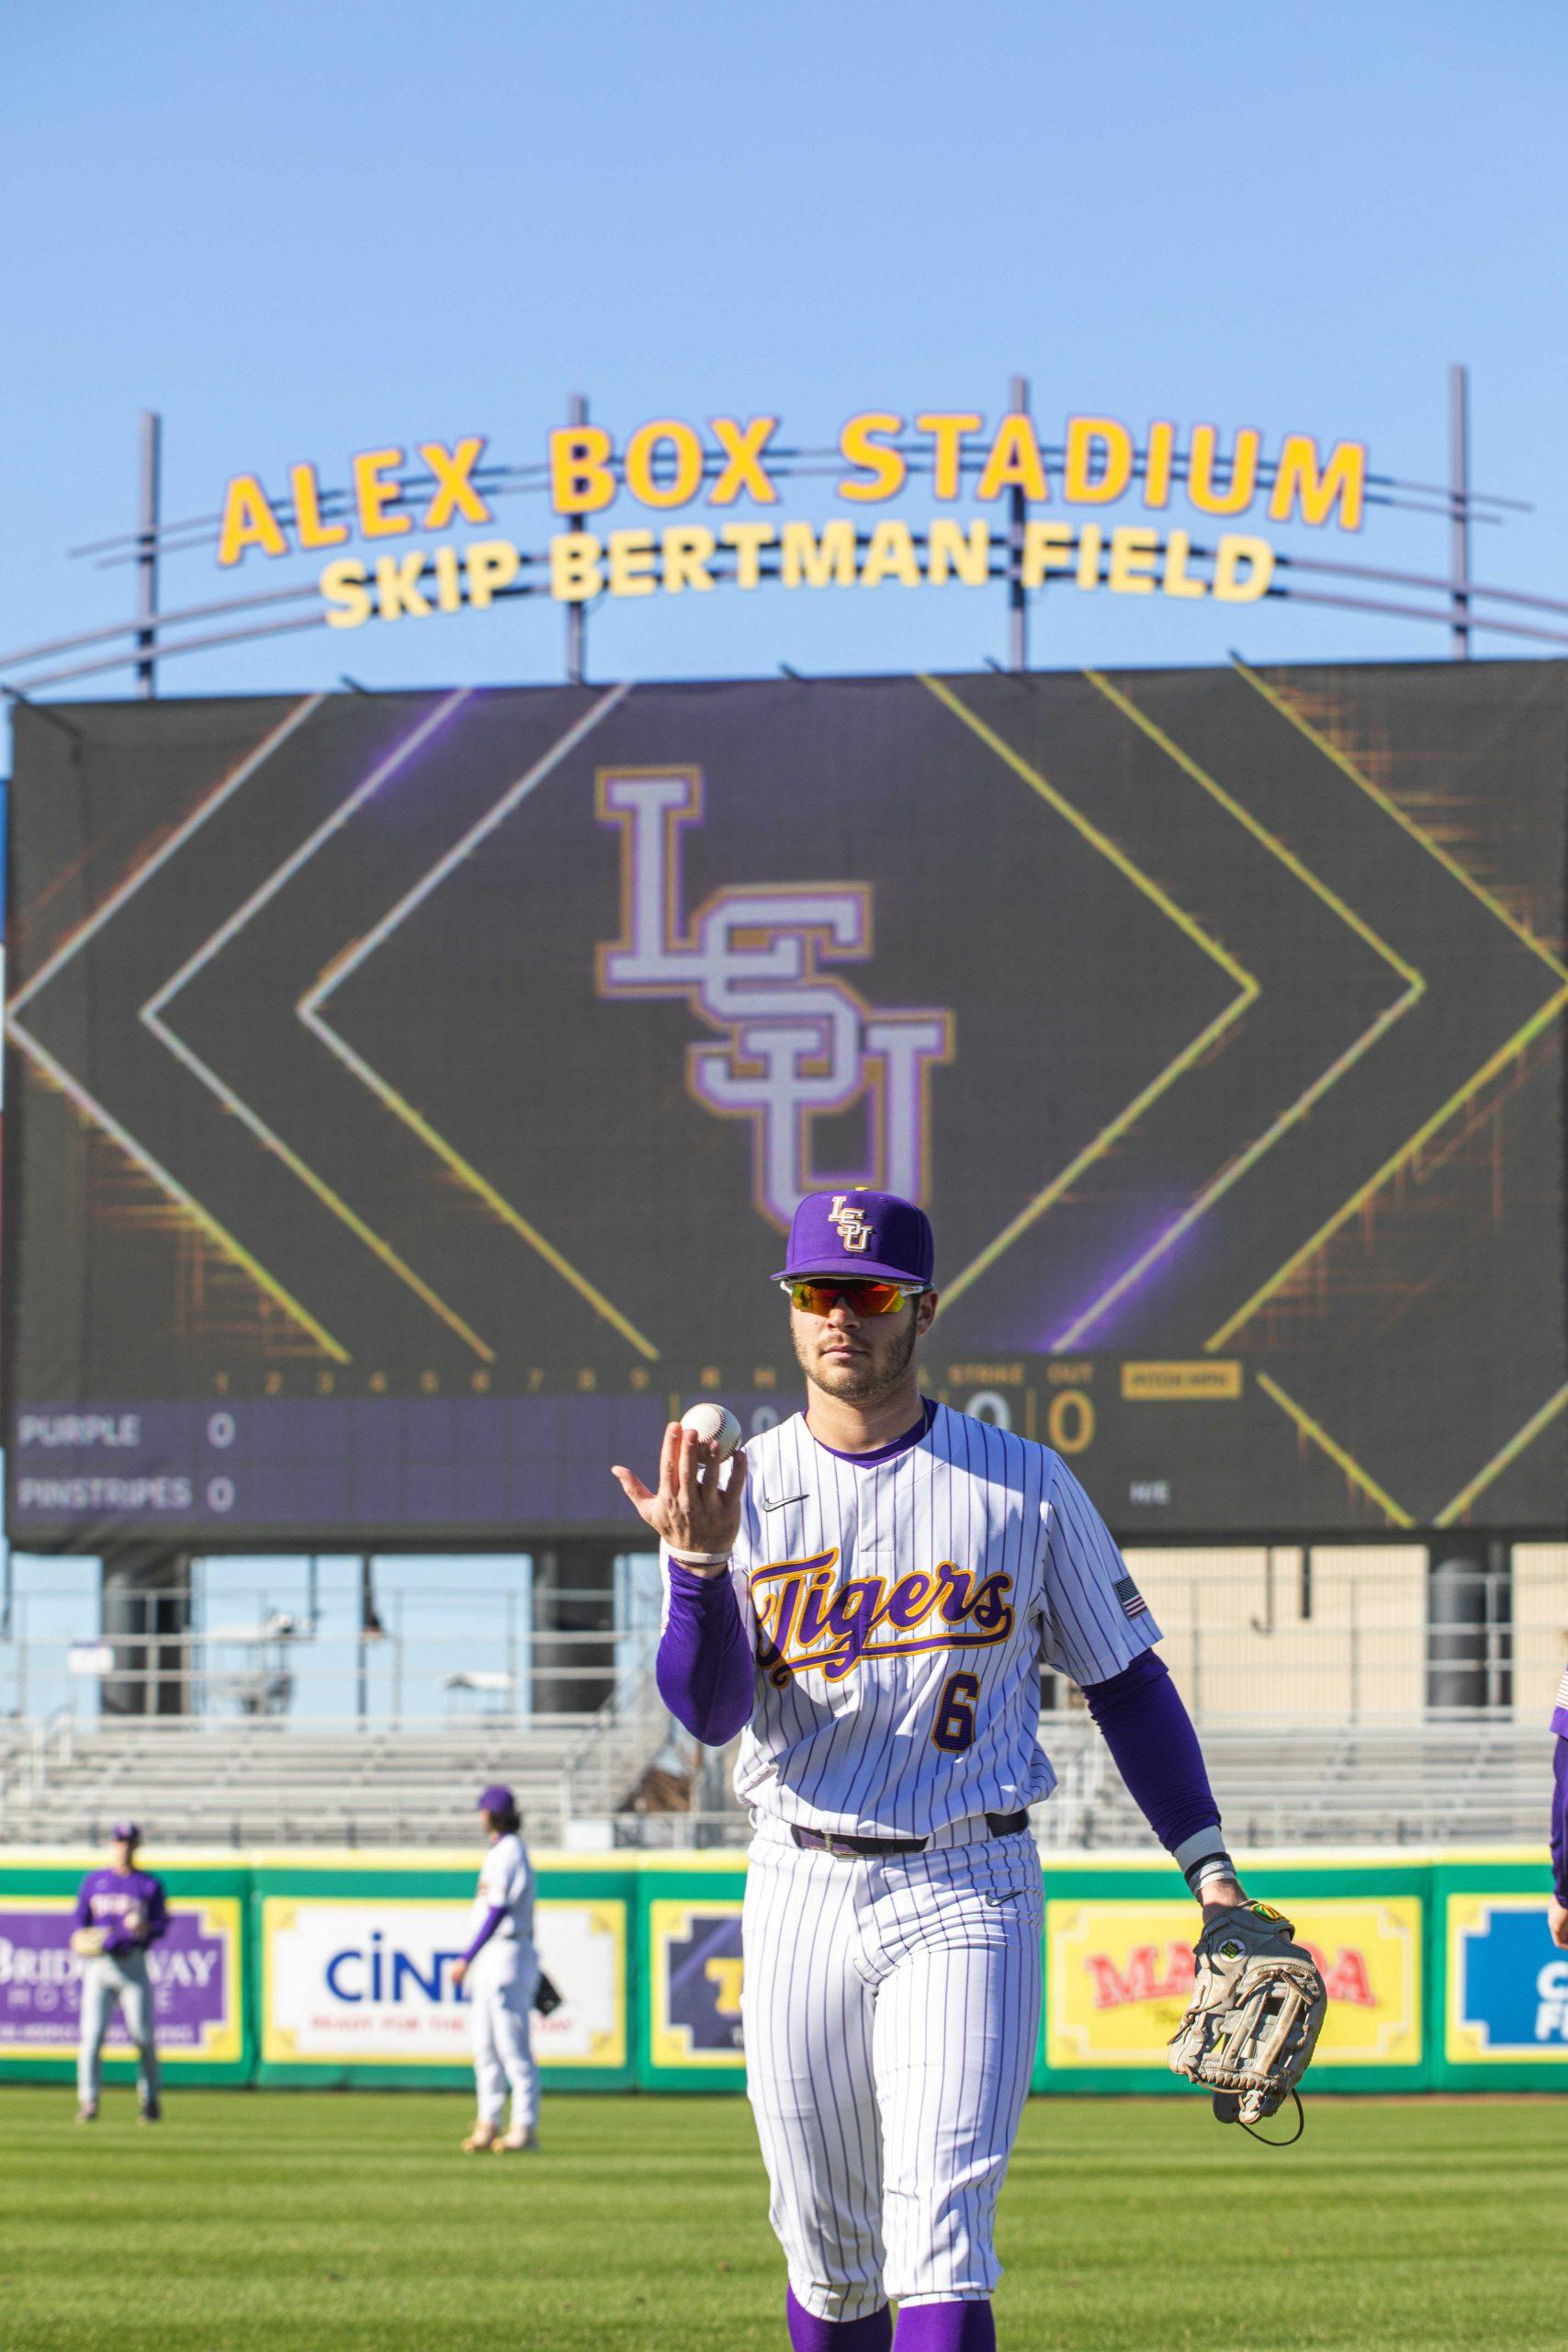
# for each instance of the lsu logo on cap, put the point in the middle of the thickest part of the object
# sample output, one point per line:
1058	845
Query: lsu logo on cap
853	1230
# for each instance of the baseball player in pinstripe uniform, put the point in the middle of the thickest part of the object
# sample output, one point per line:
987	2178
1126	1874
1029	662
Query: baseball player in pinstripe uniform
871	1592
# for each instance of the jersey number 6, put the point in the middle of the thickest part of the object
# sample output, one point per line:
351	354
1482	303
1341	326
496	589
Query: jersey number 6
955	1728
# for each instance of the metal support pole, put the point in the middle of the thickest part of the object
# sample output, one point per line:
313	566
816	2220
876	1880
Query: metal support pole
1018	516
146	557
145	1618
361	1659
1500	1625
1457	1633
1458	507
576	614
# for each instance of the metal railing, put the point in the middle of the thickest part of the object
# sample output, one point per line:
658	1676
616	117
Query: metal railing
284	1669
1321	1635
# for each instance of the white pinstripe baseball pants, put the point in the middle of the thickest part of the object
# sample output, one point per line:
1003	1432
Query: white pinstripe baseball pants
891	2011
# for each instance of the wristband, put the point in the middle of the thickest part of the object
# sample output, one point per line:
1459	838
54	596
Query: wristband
700	1560
1204	1856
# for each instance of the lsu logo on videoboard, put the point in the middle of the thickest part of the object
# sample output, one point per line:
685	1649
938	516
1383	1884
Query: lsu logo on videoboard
1507	1982
1119	1975
798	1043
695	1983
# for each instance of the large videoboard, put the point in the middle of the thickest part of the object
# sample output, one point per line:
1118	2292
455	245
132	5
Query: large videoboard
407	1092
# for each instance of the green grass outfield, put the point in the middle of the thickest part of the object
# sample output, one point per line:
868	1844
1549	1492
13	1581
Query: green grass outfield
350	2222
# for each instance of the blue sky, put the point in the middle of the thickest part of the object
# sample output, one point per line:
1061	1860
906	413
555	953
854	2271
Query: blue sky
298	231
303	229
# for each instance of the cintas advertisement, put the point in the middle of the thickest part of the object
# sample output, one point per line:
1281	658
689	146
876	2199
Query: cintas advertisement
357	1980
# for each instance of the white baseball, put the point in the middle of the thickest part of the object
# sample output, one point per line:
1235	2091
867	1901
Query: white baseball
715	1423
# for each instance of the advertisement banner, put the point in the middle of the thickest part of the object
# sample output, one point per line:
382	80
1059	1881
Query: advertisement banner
353	1958
1507	1982
1119	1975
695	1973
367	1980
194	1973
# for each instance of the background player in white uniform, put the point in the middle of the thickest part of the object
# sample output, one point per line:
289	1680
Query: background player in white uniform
871	1592
501	1972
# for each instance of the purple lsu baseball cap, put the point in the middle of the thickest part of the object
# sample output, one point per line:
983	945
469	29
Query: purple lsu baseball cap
131	1831
495	1800
878	1236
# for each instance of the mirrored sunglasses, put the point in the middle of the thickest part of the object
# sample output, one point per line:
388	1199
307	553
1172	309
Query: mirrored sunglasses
862	1298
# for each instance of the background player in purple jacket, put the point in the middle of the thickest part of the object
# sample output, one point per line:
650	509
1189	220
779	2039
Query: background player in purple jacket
119	1912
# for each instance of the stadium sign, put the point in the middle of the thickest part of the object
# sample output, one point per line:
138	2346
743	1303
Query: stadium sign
1195	513
672	466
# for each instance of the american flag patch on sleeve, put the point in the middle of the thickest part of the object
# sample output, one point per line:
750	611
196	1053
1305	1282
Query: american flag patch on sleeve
1560	1707
1135	1605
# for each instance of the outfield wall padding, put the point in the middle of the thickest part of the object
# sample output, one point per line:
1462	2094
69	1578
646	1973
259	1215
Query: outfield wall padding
332	1969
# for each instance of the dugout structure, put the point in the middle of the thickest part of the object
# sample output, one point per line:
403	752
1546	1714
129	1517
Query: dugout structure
407	1092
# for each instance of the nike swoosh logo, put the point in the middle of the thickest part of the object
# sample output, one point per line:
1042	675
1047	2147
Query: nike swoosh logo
784	1501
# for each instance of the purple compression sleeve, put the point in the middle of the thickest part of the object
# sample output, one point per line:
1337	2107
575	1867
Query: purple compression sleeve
1560	1819
947	2327
496	1914
157	1915
703	1670
809	2333
1150	1734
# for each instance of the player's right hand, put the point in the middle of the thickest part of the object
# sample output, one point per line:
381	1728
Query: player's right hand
690	1512
1557	1920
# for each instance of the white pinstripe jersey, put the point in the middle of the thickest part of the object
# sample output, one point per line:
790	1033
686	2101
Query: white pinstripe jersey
900	1609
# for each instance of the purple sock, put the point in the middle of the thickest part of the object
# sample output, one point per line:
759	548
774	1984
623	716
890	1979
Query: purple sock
947	2327
872	2334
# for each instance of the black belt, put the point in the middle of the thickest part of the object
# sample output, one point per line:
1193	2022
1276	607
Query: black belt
1000	1825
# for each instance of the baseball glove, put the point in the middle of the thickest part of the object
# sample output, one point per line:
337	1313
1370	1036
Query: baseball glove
546	1999
1258	2008
87	1942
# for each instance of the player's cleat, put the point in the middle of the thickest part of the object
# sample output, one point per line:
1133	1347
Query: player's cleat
483	2135
88	2113
150	2112
516	2142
